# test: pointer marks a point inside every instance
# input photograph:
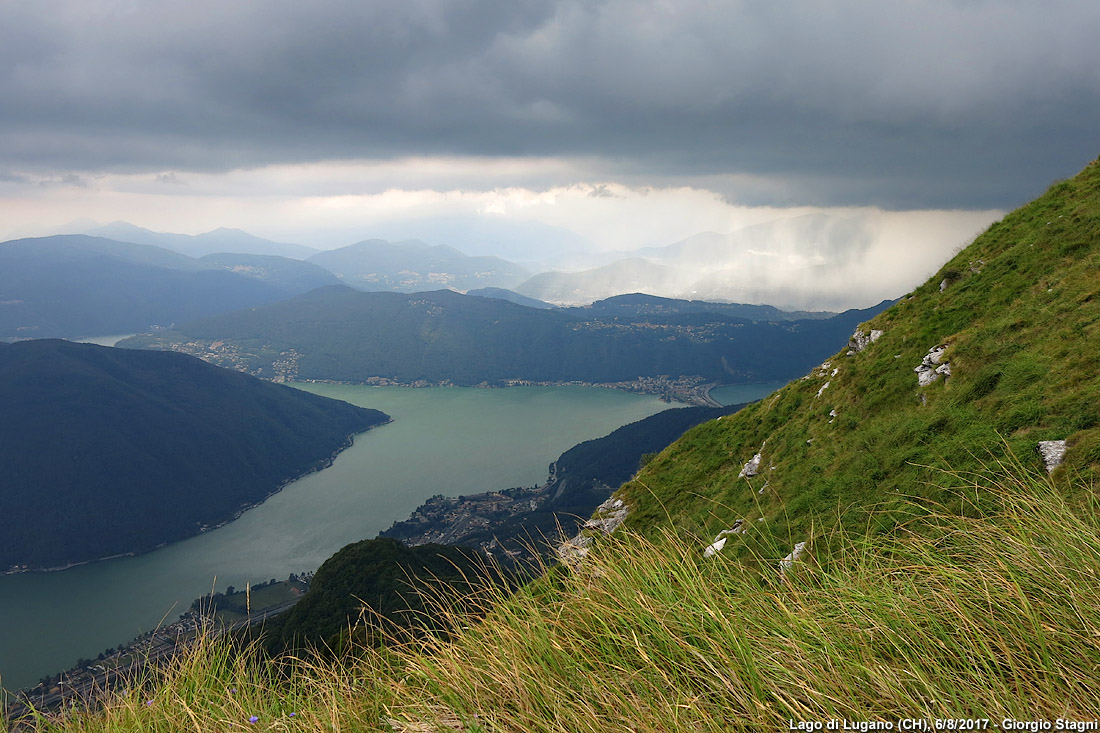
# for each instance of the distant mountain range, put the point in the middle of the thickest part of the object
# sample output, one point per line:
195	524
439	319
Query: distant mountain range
76	286
446	337
107	451
213	242
413	266
820	259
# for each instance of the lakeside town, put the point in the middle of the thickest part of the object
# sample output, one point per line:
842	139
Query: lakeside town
115	668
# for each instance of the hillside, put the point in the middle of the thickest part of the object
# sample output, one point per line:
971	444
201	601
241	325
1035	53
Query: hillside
105	451
363	583
993	354
346	335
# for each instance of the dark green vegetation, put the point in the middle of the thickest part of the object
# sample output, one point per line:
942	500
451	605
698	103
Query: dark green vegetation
106	451
346	335
640	304
75	286
412	265
579	480
372	586
1019	314
292	277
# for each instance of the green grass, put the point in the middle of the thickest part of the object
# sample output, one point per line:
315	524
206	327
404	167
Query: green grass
990	612
1021	319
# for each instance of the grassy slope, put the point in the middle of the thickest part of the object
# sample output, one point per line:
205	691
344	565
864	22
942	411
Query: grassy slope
1020	318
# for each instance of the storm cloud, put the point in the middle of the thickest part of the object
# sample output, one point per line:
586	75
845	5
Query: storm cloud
955	104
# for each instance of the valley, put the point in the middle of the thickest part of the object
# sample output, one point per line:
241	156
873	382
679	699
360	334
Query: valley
442	440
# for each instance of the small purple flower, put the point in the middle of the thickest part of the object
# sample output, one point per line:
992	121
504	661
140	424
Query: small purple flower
293	714
252	719
148	702
232	690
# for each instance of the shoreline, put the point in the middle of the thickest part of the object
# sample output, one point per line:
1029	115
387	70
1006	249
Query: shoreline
325	463
689	390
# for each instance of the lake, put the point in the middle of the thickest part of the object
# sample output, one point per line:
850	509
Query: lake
443	441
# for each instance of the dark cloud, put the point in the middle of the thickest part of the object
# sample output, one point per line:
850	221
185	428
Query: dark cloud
964	103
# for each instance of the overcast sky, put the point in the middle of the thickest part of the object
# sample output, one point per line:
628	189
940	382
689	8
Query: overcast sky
287	117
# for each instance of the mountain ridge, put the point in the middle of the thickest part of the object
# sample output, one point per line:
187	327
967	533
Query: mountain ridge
106	451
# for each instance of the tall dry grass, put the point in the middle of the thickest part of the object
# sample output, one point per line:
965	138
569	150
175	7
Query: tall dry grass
988	616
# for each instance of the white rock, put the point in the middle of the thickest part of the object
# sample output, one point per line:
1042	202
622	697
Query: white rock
753	466
796	554
606	519
714	548
823	388
608	516
720	540
1053	453
930	367
832	413
861	340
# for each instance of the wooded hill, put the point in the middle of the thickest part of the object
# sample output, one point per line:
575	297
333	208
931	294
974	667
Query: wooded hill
345	335
107	451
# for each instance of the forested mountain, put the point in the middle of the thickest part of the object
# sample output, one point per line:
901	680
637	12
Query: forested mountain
107	451
370	585
412	265
291	276
443	336
633	305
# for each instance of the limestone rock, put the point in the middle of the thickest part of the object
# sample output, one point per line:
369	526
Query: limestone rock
606	519
720	541
1053	453
823	388
796	554
573	551
861	340
932	366
753	466
608	516
714	548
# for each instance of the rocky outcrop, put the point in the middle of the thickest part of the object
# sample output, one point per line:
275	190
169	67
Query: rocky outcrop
753	466
861	340
932	366
608	516
1053	453
606	519
788	562
720	541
